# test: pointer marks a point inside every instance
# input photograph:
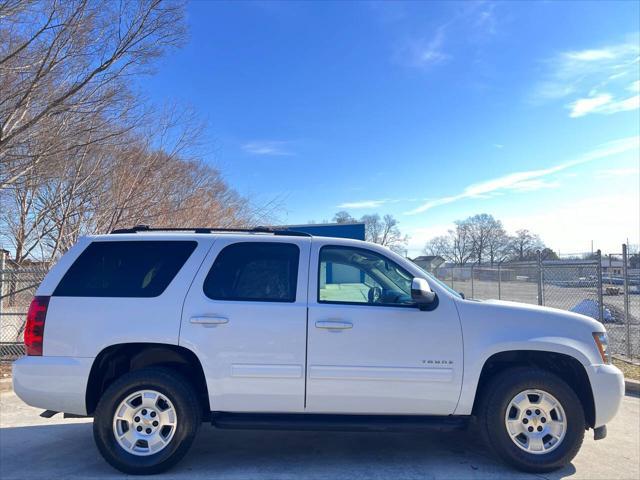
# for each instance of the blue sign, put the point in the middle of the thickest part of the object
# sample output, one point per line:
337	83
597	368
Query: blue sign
339	230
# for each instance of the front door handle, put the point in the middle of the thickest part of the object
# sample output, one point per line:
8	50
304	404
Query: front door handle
333	324
209	321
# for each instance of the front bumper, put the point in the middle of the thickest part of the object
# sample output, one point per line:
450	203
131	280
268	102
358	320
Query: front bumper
53	383
607	384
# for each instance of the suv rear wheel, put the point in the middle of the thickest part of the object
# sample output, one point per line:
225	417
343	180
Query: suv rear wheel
146	421
532	419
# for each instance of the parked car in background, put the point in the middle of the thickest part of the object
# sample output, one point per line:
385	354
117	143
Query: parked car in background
153	332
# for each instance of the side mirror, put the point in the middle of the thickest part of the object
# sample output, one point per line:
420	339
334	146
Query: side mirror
421	293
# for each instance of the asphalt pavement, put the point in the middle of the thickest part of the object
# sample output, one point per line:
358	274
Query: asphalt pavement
35	448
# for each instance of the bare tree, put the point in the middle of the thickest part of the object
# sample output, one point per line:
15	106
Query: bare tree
482	236
439	246
498	244
461	243
21	217
384	231
489	238
62	59
80	153
118	188
485	234
455	247
343	217
524	243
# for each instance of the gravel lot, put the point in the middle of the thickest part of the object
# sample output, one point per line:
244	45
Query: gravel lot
564	298
35	448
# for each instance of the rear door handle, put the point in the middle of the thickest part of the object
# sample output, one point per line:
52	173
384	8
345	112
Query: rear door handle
209	321
333	324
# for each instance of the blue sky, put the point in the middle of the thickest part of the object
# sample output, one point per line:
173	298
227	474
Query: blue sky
428	111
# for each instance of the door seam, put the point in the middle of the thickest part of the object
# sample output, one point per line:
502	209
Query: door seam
184	300
306	356
306	336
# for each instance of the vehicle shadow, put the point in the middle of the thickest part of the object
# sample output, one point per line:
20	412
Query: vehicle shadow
68	451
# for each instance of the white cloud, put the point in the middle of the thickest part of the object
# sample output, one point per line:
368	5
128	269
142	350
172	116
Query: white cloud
425	52
603	103
531	179
419	236
267	147
486	20
587	105
533	185
363	204
631	103
433	52
591	55
597	79
618	172
472	21
570	227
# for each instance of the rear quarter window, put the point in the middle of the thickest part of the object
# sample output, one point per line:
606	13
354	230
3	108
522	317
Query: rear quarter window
125	269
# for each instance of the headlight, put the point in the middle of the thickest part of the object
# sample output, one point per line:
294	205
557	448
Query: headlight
602	342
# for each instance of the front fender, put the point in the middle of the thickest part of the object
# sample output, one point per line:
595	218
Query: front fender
493	327
474	363
567	346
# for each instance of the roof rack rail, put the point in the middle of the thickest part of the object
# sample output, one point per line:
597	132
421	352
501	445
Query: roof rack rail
274	231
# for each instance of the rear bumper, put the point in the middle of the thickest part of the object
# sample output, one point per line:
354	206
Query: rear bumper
607	384
53	383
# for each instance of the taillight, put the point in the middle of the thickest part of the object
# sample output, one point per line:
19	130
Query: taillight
34	329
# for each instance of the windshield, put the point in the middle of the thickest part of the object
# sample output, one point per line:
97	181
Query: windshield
432	278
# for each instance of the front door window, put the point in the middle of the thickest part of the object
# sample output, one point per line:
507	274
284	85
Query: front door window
359	276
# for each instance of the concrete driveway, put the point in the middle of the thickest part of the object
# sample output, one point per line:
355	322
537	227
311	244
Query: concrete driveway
32	447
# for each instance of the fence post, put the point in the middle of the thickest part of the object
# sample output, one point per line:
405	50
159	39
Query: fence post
625	274
539	262
499	280
2	267
472	292
452	269
599	274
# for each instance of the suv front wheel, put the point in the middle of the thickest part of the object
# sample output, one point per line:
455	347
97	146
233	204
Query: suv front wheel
532	419
146	421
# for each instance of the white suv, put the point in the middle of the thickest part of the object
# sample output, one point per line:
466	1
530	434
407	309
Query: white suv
152	332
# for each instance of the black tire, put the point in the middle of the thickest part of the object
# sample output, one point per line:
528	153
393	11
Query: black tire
188	411
501	390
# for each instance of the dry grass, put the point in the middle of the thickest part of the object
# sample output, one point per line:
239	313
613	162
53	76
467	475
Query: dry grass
5	370
630	370
5	373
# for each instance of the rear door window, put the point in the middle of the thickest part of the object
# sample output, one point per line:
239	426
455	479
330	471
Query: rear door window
125	269
254	271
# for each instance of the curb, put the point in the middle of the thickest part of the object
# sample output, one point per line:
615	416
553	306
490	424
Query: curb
632	386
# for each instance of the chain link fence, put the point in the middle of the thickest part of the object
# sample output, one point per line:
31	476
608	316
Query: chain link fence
17	288
605	289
